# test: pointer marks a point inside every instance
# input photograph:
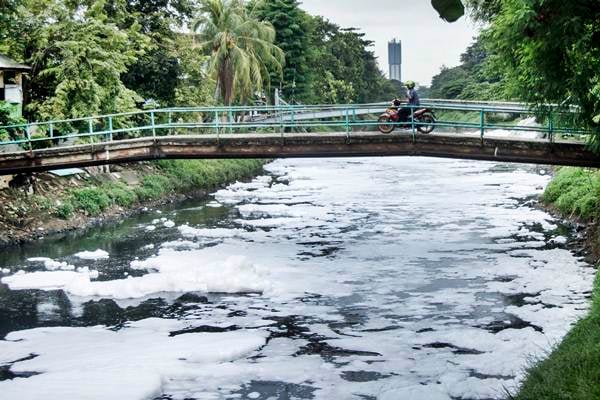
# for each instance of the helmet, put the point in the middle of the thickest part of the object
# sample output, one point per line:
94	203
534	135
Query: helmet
410	84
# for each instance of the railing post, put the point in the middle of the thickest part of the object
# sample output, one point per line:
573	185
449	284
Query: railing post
217	122
28	133
412	123
482	124
91	130
152	124
280	119
347	123
170	123
230	119
110	129
51	129
550	127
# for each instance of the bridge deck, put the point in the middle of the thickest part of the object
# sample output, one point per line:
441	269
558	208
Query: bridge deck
277	145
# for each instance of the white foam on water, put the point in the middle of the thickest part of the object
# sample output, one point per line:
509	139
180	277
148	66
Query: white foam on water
437	270
180	244
93	255
78	363
215	233
170	271
50	280
52	265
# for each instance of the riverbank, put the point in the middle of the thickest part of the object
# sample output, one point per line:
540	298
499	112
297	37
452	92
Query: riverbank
572	370
52	204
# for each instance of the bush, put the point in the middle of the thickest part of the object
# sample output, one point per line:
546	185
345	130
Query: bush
38	144
8	117
575	191
121	194
92	200
175	175
153	187
65	210
43	203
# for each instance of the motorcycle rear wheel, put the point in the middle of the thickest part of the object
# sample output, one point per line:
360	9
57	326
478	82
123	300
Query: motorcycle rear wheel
385	124
428	124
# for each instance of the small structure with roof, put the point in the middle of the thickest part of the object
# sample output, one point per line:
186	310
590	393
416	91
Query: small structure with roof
11	82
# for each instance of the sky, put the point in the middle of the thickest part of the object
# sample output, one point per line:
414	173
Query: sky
428	42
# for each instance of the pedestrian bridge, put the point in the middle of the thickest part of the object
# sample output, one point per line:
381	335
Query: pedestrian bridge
479	131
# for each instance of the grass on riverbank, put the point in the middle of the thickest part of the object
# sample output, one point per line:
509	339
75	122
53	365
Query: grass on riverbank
572	370
575	192
172	176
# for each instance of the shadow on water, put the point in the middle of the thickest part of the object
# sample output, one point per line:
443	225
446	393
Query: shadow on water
27	309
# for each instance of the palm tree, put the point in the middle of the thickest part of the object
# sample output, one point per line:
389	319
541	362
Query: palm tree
241	48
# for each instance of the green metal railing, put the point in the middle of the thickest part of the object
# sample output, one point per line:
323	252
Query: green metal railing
466	119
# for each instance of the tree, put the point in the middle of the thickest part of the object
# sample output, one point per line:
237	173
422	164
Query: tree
474	79
194	86
346	55
78	57
549	51
335	91
7	24
241	48
83	56
292	26
155	74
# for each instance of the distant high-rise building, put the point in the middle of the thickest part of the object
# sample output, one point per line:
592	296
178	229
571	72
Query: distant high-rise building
395	59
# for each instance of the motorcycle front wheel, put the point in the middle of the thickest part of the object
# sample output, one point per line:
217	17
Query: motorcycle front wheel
385	124
426	124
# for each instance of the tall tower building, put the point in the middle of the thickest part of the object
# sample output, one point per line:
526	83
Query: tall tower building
395	59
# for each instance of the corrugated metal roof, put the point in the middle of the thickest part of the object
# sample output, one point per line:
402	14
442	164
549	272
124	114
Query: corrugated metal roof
11	65
67	171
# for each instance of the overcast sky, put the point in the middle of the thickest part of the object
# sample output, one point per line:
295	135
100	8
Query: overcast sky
427	41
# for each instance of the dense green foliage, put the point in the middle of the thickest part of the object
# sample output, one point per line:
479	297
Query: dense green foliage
548	51
179	176
156	73
292	27
110	56
8	117
324	62
241	48
575	192
473	79
344	61
572	371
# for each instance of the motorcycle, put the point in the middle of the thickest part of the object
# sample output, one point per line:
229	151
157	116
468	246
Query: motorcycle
424	119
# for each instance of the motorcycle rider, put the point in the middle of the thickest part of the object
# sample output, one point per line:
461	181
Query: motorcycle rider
412	99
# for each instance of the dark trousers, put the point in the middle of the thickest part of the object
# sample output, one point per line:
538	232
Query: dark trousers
404	114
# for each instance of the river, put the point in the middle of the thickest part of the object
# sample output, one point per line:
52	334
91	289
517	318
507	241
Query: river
379	278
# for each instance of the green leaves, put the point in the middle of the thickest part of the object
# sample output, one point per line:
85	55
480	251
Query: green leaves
240	48
449	10
292	27
549	52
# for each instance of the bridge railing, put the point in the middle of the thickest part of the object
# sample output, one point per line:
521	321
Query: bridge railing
464	119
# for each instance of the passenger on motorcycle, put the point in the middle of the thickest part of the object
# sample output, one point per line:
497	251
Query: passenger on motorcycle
412	99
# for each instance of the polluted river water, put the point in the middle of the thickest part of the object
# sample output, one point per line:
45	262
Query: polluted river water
374	278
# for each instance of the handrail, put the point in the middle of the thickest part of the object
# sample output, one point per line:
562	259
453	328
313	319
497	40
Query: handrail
465	105
177	120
